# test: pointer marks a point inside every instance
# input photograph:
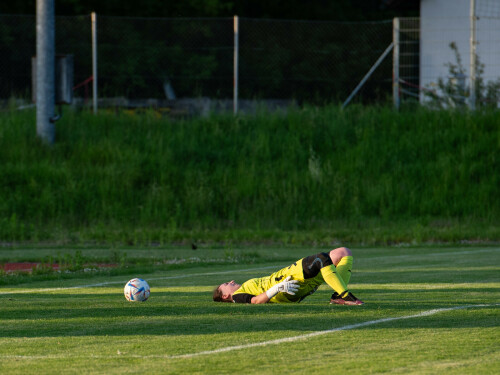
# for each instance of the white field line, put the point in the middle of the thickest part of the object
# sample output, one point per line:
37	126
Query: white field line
262	343
123	281
227	272
319	333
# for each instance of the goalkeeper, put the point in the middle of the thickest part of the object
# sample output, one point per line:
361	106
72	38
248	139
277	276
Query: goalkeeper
296	282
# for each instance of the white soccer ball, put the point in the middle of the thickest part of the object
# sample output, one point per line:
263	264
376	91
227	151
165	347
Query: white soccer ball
136	290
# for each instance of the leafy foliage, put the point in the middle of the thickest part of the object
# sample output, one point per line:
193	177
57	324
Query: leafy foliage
454	92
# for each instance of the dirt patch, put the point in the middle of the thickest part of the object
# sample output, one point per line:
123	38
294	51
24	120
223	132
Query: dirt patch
30	266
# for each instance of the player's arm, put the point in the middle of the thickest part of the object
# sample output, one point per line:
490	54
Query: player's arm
286	286
261	298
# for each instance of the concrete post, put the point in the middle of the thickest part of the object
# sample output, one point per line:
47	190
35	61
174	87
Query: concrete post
45	70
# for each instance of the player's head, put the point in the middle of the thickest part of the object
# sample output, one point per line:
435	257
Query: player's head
224	291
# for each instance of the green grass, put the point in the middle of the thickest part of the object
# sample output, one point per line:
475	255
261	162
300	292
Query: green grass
366	175
94	329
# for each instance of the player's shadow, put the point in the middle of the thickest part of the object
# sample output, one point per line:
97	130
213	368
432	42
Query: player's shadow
181	313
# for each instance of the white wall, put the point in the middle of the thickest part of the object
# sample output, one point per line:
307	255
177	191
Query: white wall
446	21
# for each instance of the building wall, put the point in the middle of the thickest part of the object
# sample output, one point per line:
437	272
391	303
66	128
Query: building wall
445	21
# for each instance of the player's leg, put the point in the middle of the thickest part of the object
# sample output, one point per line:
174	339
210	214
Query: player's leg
337	276
342	258
330	273
321	265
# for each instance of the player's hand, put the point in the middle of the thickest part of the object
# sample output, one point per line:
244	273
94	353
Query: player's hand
288	286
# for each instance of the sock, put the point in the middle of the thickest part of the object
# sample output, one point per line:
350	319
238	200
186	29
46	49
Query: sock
331	277
344	269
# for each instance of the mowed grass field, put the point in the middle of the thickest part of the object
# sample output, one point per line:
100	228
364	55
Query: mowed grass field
428	310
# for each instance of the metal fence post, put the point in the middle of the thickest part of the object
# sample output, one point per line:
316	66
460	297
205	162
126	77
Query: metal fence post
395	63
45	70
94	61
367	75
472	73
235	64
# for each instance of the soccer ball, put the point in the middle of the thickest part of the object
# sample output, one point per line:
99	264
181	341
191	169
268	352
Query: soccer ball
136	290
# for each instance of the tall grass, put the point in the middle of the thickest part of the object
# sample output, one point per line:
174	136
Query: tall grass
149	178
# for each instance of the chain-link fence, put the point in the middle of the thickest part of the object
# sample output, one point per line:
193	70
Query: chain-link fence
139	57
312	60
435	54
18	46
407	37
162	58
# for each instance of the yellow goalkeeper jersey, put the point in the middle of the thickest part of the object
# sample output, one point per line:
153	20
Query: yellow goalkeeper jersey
254	287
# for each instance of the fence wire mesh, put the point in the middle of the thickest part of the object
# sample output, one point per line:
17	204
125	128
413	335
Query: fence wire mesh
139	58
437	36
435	58
409	54
75	39
488	8
312	60
17	46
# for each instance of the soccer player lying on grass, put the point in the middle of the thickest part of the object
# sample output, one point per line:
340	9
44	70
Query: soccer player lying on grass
296	282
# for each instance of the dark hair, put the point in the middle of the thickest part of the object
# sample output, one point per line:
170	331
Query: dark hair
218	295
